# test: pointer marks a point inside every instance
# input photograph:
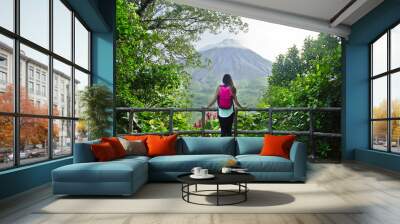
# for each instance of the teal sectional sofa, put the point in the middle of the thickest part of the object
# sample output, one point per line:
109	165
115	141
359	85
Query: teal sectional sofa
125	176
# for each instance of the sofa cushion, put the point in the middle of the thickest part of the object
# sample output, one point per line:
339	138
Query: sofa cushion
206	145
257	163
185	163
112	171
249	145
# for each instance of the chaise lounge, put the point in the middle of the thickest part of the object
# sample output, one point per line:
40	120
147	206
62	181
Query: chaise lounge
125	176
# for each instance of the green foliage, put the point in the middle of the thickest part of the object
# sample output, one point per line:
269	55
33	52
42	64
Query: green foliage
154	47
317	83
97	104
286	68
142	80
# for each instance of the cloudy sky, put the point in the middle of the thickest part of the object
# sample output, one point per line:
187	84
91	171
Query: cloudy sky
267	39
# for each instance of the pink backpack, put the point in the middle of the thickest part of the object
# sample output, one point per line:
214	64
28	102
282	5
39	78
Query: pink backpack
225	97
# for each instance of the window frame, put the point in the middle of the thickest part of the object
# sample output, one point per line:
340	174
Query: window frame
16	114
388	74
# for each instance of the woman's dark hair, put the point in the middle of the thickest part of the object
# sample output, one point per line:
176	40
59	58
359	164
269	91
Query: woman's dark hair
227	80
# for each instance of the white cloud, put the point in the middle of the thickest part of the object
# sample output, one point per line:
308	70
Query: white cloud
267	39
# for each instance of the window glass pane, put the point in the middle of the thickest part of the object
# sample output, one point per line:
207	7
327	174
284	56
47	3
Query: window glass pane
33	139
395	95
6	74
81	131
395	136
34	72
62	29
62	89
62	138
6	142
395	47
81	82
379	55
81	45
7	14
379	97
35	21
379	135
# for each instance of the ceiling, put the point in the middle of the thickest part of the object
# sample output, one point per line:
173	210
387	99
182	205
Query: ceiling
328	16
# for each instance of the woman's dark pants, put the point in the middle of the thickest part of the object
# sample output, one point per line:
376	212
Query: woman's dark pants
226	125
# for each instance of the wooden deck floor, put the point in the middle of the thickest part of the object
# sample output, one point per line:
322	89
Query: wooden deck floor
378	189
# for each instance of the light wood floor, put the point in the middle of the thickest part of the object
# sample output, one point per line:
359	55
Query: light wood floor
378	189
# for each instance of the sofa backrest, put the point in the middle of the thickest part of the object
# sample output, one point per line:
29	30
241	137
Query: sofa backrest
249	145
83	152
190	146
206	145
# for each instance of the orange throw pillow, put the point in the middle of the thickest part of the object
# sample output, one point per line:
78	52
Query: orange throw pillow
116	145
161	145
103	152
277	145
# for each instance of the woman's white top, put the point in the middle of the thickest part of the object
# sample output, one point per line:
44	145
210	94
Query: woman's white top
225	112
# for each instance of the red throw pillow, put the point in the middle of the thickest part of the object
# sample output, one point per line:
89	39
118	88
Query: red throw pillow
103	152
275	145
116	145
161	145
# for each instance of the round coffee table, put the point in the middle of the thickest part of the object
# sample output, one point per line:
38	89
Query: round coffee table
238	179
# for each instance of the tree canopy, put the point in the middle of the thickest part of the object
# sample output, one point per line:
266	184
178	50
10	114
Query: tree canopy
310	78
155	46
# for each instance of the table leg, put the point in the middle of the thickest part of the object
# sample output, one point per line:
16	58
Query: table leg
182	188
245	193
195	188
188	189
217	194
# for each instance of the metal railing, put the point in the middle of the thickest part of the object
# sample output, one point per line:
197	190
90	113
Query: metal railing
311	132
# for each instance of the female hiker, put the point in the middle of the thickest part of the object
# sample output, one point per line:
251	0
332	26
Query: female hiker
225	96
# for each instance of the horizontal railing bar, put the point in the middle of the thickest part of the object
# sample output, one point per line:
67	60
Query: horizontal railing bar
253	109
253	131
327	109
284	109
197	132
323	134
291	132
188	132
145	133
129	109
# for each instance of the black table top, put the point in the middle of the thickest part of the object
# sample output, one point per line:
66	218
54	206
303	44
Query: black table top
220	178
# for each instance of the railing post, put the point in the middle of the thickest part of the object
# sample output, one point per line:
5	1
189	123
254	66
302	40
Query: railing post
270	120
312	145
235	125
171	121
203	121
130	121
